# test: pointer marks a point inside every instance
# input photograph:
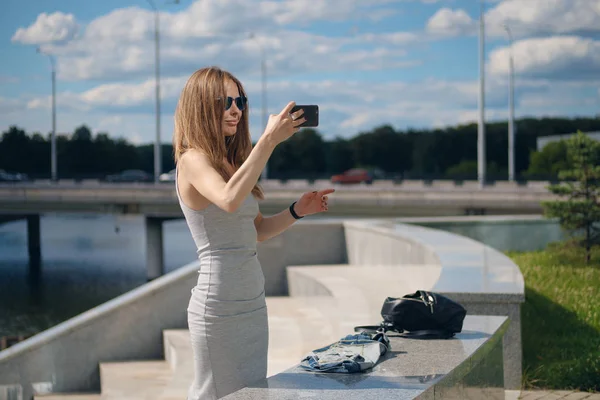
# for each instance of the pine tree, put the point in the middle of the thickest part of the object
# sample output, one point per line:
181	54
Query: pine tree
580	211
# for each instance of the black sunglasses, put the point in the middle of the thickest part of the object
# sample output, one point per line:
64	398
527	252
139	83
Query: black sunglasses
240	102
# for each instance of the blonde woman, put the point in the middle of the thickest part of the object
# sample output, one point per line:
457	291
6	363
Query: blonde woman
216	183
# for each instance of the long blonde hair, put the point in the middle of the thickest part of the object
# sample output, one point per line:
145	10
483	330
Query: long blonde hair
198	122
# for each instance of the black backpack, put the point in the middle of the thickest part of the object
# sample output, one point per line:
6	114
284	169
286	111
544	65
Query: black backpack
420	315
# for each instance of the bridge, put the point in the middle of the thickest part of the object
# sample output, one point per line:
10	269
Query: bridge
158	202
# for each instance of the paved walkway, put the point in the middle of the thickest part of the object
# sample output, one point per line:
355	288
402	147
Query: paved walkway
550	395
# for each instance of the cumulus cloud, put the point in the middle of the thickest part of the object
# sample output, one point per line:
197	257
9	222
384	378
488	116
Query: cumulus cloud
448	22
535	17
116	51
47	29
119	45
558	57
524	18
288	52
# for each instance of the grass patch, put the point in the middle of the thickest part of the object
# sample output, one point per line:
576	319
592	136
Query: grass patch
560	319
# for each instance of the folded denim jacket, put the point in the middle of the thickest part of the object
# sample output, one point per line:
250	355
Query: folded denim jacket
351	354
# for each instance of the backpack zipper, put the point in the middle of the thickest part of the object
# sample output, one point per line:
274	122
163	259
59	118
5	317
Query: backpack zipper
430	298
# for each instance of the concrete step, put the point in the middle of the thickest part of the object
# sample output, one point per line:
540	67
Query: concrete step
297	325
134	379
178	351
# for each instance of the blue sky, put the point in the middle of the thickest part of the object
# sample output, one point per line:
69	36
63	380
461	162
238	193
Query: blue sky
408	63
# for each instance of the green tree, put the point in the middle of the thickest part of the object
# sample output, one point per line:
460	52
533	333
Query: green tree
82	154
13	150
466	169
303	155
341	156
549	161
581	210
383	148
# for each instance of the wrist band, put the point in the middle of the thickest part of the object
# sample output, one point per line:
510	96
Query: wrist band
296	216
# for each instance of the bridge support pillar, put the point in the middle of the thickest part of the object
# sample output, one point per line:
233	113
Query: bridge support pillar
154	248
34	245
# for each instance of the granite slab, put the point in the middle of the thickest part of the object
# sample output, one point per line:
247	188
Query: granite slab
412	368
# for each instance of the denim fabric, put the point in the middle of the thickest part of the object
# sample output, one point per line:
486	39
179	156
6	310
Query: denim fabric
351	354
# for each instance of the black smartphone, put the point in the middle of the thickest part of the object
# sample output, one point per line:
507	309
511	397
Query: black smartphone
311	114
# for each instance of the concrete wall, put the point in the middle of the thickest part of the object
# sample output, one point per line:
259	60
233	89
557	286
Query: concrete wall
306	243
66	357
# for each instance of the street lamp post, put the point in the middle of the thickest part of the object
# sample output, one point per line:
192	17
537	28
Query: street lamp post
157	149
481	122
263	73
511	109
53	172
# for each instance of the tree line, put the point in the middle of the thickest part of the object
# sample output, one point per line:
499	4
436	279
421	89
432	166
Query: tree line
441	153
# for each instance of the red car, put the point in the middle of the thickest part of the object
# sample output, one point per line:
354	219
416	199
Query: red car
355	175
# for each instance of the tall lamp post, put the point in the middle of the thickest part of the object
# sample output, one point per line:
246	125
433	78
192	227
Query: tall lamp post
157	148
511	109
263	76
53	172
481	122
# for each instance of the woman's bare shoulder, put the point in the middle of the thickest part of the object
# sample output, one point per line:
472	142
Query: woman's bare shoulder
194	159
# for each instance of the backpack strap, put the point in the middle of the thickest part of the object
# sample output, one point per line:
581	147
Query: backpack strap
370	328
427	334
382	327
422	334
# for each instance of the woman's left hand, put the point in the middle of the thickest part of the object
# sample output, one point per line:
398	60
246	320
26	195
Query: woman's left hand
312	202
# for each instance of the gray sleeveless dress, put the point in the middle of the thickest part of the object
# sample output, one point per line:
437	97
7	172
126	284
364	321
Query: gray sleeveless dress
227	312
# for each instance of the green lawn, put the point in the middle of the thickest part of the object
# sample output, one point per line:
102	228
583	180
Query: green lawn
560	318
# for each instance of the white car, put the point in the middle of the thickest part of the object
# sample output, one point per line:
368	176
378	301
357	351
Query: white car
167	177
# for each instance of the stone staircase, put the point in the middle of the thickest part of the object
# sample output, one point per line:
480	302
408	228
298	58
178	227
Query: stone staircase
296	326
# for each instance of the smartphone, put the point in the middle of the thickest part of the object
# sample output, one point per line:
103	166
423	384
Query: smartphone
311	114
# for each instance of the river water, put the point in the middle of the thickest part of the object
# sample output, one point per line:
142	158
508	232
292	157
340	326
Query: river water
86	260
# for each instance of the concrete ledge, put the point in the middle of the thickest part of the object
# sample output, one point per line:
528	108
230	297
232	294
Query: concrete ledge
463	367
391	259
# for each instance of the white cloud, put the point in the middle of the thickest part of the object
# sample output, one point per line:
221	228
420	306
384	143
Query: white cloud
559	57
534	17
48	28
117	51
287	53
524	18
120	44
395	38
448	22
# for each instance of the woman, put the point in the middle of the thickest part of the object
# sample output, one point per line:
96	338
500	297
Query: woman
216	183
